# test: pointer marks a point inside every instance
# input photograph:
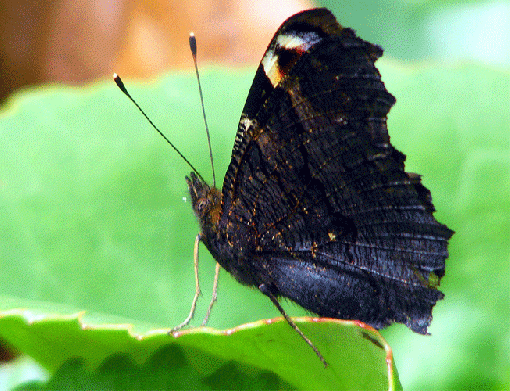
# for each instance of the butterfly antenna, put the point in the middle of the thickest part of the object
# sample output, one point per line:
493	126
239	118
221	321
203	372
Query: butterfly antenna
122	87
193	47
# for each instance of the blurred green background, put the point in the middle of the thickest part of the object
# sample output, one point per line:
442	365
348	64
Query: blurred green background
439	30
94	217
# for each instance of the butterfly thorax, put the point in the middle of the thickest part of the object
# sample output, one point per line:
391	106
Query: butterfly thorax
207	205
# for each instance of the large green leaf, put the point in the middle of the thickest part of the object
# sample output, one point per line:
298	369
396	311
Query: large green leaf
260	355
93	219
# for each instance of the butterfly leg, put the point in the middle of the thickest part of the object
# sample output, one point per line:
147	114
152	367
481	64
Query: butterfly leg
265	290
214	293
197	287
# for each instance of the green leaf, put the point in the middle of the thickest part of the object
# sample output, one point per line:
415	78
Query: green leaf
259	355
94	220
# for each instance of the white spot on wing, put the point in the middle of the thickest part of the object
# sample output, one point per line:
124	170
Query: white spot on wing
246	122
301	42
270	68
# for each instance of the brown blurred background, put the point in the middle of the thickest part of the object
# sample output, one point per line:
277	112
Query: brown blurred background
78	41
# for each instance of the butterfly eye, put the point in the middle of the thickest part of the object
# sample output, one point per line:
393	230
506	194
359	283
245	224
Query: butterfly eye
202	205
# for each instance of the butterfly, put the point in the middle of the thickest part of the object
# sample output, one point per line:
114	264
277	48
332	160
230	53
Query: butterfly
316	205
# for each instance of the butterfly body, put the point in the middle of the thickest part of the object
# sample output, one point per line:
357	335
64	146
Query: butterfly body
316	205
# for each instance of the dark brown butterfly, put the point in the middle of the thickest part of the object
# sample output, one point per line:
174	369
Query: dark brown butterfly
316	205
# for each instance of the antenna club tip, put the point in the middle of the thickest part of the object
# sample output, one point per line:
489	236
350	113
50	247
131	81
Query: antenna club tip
120	84
193	44
117	79
191	34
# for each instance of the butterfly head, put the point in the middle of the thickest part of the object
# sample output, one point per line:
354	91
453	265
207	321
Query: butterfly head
206	202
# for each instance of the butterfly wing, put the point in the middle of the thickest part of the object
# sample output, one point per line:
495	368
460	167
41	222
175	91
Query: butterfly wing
316	202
